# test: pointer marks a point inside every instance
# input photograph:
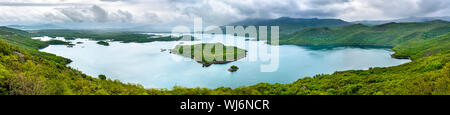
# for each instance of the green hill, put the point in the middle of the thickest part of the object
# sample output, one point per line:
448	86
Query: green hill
389	34
20	39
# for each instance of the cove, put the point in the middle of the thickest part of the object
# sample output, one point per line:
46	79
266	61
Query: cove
145	64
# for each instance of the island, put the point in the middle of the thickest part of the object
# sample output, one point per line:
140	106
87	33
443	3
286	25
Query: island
57	42
208	59
233	68
103	43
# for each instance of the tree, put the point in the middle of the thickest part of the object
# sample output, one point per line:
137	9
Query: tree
102	77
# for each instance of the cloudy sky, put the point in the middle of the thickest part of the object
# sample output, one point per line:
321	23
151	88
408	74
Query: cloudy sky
216	12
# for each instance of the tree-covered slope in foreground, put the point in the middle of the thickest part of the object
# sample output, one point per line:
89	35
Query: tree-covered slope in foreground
26	71
22	72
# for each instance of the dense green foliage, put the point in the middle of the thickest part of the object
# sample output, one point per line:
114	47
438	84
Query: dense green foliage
102	77
205	53
420	48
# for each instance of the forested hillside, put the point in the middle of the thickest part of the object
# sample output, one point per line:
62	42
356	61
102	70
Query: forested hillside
389	34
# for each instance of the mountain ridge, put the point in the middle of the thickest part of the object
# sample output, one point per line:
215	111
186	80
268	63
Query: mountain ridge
288	25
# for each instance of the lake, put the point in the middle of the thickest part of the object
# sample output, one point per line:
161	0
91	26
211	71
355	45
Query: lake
145	64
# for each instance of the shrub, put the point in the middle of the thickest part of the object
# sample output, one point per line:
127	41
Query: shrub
102	77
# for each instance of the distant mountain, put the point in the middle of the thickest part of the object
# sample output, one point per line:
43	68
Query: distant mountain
35	26
410	19
11	31
93	26
290	25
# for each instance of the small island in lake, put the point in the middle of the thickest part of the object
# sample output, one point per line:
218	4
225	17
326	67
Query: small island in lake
103	43
57	42
208	53
233	68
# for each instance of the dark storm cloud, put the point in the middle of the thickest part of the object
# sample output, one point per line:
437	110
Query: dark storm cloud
95	14
123	16
100	15
348	9
74	16
38	4
406	8
264	10
218	11
326	2
112	0
288	8
430	6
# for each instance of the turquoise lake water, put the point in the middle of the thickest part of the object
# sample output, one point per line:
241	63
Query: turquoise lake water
145	64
